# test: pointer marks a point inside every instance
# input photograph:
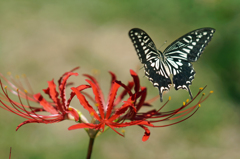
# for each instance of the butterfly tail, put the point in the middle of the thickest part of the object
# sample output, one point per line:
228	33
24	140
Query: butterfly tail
160	93
190	93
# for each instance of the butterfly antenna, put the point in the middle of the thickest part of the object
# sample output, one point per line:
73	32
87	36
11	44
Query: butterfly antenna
163	44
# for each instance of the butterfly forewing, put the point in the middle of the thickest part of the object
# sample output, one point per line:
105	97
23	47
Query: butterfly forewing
143	44
155	69
190	46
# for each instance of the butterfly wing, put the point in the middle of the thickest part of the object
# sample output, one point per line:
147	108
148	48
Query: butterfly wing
184	50
155	69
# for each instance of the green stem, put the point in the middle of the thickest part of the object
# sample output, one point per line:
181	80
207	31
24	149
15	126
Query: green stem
90	147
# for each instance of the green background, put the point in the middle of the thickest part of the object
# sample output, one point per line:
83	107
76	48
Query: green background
43	39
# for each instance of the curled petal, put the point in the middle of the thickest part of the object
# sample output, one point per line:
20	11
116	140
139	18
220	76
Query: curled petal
62	87
146	134
136	80
79	88
113	77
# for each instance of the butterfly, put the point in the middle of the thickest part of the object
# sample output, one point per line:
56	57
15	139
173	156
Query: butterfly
175	60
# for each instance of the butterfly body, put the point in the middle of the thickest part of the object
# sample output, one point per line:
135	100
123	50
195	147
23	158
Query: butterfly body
175	59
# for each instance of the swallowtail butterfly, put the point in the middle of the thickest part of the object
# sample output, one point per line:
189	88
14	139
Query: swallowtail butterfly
175	59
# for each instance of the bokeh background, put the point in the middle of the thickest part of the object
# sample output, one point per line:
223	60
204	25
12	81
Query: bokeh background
43	39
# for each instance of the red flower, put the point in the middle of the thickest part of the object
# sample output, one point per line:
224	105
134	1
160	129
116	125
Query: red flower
58	108
109	115
155	116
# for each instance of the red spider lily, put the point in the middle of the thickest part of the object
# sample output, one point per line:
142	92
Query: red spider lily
155	116
58	108
108	114
113	117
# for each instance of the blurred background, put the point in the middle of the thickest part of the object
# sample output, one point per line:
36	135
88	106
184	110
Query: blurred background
43	39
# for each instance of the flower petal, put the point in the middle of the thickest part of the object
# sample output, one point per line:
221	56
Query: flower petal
85	103
53	94
97	98
136	80
97	85
142	99
62	87
112	95
146	134
48	107
84	125
122	110
124	93
72	94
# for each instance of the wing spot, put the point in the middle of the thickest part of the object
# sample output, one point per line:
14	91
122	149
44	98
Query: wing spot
155	84
179	63
186	40
204	33
153	64
186	50
199	36
146	51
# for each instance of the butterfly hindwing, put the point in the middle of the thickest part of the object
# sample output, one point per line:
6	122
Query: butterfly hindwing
184	50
